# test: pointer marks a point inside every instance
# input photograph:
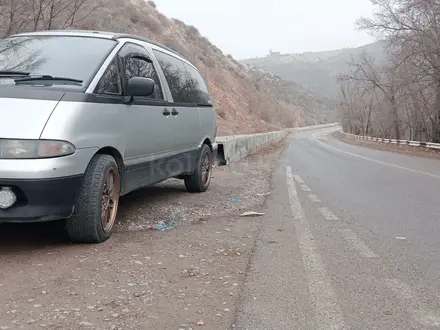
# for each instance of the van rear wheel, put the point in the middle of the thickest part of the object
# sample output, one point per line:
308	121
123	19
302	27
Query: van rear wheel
201	178
97	202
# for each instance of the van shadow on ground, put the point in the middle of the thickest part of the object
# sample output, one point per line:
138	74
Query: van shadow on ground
23	236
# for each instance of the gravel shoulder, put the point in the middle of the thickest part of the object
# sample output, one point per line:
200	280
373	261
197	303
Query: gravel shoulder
410	150
141	278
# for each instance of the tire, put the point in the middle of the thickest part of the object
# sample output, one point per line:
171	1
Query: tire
201	178
90	222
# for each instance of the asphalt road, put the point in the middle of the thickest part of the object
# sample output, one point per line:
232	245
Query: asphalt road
350	240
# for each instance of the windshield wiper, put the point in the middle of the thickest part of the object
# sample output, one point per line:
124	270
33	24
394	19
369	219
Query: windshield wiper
46	78
14	73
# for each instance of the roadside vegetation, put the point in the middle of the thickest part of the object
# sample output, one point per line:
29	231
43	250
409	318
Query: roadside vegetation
397	96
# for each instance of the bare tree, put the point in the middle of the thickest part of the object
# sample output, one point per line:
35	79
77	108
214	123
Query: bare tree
32	15
373	79
412	27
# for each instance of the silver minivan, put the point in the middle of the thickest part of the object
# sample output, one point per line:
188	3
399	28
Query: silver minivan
87	117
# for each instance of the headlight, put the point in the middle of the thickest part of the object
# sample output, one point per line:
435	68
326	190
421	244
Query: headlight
28	149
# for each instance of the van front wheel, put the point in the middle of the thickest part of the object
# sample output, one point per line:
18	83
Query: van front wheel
97	202
201	178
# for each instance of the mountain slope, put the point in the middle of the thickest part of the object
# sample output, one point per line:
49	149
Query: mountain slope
246	100
315	71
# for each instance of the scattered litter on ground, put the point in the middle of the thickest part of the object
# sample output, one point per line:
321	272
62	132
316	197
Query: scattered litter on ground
251	214
162	227
168	203
141	269
174	219
400	237
201	322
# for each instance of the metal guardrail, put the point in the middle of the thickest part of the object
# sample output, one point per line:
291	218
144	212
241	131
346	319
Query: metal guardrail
429	145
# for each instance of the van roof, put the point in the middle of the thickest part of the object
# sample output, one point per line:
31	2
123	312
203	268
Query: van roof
95	34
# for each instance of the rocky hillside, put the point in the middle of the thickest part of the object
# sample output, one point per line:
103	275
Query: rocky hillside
316	71
247	100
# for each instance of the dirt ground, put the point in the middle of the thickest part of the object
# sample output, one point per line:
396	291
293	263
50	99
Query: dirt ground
389	147
184	278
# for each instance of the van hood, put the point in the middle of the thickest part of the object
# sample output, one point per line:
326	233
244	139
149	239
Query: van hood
24	116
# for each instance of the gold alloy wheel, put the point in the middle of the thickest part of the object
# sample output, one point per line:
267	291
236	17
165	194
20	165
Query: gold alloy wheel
110	199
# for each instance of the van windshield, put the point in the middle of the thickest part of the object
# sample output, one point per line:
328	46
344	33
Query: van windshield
72	57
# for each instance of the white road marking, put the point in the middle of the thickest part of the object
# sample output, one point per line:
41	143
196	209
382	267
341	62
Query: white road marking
327	312
413	305
377	161
329	215
314	198
298	179
305	188
357	243
320	135
400	237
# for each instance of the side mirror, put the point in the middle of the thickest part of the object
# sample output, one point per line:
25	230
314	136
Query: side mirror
139	86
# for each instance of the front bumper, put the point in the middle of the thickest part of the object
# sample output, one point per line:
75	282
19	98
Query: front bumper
41	199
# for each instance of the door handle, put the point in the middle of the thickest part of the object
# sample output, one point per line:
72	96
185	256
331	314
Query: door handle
174	112
166	112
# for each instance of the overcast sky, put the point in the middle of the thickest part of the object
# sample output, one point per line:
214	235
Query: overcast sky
249	28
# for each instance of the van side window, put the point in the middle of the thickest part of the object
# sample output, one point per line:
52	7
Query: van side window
197	92
139	67
175	75
110	82
136	62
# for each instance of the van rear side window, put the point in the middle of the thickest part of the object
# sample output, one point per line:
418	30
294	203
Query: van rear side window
175	75
197	90
186	84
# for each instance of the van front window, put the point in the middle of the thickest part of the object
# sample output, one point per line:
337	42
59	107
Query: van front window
73	57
